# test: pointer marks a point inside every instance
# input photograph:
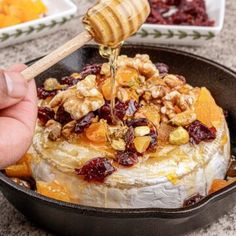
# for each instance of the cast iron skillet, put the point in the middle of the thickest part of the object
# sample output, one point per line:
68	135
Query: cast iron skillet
71	219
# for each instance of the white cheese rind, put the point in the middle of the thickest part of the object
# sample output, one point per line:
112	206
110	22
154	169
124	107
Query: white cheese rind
164	184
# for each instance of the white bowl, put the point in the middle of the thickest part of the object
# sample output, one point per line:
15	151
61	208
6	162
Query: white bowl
59	13
183	35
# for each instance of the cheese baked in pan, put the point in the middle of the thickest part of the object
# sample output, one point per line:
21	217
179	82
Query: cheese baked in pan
172	141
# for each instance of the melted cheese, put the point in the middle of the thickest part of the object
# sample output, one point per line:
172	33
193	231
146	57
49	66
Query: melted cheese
162	179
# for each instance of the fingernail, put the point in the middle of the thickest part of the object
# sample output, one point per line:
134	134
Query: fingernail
16	85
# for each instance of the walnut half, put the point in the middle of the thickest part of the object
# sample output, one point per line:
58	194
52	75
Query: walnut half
81	100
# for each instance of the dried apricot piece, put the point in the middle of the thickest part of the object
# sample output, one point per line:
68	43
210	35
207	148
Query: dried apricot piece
127	77
97	132
106	89
142	143
207	110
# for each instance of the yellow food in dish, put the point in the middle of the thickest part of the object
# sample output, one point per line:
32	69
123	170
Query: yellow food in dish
13	12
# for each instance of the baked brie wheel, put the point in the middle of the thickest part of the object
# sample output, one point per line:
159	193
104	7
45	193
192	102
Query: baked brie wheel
172	144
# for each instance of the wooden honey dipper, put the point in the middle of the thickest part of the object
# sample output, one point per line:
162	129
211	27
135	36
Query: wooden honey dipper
109	23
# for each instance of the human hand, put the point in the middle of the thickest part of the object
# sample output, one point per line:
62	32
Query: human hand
18	113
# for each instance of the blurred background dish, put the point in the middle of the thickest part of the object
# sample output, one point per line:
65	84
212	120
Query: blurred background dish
196	34
49	16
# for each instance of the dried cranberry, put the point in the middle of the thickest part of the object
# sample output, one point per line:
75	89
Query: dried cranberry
45	114
199	132
69	80
163	68
188	12
132	107
173	2
192	200
105	113
126	158
120	110
129	139
43	94
153	144
84	123
62	116
137	122
96	169
91	70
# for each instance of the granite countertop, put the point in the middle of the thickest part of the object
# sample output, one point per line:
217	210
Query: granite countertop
221	49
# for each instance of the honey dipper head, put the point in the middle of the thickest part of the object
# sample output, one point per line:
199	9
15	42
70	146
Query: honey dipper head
112	21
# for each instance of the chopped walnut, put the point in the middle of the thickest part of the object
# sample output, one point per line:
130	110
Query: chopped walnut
51	84
142	63
54	130
87	87
79	102
173	81
185	118
67	129
122	94
175	102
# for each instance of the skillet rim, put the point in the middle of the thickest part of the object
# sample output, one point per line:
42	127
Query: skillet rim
133	212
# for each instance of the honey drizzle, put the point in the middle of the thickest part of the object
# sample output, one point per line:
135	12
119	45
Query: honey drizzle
112	53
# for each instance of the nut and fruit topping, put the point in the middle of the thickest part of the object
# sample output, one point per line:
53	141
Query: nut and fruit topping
141	131
198	132
154	107
126	158
45	114
96	169
84	122
96	132
179	136
142	143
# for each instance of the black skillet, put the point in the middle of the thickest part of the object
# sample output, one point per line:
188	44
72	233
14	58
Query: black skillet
70	219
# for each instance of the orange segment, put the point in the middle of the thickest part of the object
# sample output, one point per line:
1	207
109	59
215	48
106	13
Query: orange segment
19	171
53	190
207	110
219	184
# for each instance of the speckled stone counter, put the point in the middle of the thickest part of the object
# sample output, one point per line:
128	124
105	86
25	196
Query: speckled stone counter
222	49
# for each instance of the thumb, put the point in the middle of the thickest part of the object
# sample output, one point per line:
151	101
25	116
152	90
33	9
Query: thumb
13	88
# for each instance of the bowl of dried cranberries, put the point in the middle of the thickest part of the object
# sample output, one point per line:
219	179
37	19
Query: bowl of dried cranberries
182	22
